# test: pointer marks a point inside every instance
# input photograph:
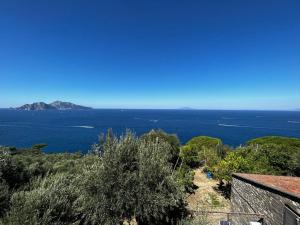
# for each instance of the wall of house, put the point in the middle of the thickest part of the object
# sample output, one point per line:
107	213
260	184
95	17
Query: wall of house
251	198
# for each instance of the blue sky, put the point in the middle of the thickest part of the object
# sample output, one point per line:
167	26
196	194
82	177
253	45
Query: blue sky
211	54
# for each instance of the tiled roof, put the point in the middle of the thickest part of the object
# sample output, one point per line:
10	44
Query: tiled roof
286	184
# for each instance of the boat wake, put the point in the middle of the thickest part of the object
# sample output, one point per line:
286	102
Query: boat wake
252	127
86	127
230	125
291	121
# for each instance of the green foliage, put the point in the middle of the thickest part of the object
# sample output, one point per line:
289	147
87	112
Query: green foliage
133	180
197	151
275	159
281	154
204	141
12	171
267	155
52	200
232	163
172	139
4	150
20	167
127	178
203	149
130	178
185	176
210	155
42	164
213	199
4	197
39	146
277	140
190	156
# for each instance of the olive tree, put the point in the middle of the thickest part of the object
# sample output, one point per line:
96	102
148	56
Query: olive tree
133	181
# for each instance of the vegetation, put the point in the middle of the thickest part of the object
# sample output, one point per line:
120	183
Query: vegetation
291	142
142	179
266	155
203	150
132	179
171	139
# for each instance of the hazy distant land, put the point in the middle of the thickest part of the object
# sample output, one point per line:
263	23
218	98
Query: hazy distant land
57	105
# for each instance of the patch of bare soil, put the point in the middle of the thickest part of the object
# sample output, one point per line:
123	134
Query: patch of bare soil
206	198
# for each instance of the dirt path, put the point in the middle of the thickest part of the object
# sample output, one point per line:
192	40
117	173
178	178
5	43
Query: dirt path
206	198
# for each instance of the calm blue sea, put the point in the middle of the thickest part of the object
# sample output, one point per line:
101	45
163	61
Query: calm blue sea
78	130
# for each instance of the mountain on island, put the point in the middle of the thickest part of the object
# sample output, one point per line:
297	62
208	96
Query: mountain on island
57	105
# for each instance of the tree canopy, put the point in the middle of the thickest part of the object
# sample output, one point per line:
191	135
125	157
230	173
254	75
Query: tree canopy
132	179
267	155
127	178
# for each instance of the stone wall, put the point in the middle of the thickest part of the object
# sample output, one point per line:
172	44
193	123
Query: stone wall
249	197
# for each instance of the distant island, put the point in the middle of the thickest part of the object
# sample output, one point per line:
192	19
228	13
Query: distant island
186	108
57	105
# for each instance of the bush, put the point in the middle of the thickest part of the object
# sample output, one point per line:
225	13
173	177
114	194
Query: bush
185	176
204	141
232	163
13	172
4	197
52	200
171	139
128	178
203	149
133	180
277	140
267	155
190	156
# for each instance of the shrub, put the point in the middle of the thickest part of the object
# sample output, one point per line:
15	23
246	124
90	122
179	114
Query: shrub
232	163
185	176
134	179
204	141
171	139
12	171
190	156
51	200
203	149
4	197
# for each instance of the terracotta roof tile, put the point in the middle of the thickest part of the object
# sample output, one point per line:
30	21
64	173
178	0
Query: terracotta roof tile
285	184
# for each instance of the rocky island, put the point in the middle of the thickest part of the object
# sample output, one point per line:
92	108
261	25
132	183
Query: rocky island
57	105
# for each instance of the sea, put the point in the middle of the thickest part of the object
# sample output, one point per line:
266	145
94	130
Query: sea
77	130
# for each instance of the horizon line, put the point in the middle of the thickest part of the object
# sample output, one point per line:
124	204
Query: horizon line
179	109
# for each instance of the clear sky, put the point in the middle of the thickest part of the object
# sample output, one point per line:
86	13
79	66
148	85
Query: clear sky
206	54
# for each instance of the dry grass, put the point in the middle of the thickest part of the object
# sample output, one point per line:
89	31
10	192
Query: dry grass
206	198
